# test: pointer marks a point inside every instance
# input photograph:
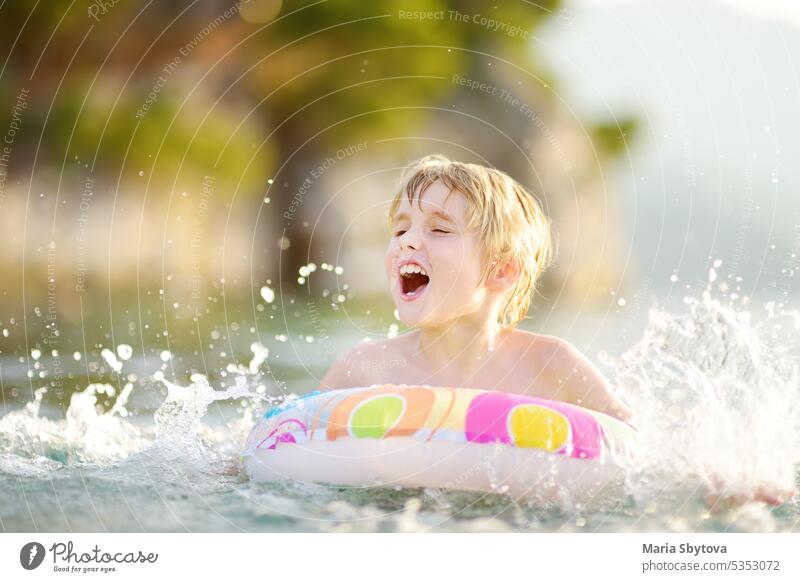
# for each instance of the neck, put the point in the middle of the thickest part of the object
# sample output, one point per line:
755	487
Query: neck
464	344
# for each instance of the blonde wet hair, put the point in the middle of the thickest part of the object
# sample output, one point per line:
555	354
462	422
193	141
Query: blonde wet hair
511	224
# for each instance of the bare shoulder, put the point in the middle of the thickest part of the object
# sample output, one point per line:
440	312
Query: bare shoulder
583	384
356	366
554	355
541	347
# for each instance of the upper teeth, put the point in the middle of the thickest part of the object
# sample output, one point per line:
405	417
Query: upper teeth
411	268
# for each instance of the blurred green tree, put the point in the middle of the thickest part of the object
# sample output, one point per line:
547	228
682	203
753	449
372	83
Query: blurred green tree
266	91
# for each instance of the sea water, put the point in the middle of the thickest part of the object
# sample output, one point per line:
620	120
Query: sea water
714	386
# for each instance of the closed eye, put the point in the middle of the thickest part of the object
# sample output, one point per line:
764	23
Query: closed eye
399	233
441	230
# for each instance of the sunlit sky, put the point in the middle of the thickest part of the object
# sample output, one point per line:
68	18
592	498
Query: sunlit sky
785	11
715	85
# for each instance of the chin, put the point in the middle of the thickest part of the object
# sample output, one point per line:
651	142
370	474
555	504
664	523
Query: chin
411	316
419	320
406	317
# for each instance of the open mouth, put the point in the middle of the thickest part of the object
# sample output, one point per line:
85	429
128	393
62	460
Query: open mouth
413	280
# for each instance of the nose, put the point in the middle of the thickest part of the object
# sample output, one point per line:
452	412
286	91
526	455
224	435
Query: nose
410	239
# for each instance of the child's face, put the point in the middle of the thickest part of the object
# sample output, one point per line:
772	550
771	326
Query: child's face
433	261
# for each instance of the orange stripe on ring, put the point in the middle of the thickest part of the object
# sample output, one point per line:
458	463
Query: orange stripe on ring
452	394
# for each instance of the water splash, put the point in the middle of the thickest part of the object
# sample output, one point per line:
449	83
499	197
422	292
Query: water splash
178	418
83	436
716	400
105	435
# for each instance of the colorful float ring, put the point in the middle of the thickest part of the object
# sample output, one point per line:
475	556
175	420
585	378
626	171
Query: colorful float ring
451	438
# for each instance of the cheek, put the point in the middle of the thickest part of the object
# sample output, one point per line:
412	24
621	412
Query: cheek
461	264
391	252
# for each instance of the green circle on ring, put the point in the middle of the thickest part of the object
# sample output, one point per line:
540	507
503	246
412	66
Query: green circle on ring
374	418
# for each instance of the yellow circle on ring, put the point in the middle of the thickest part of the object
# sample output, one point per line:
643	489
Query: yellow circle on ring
538	427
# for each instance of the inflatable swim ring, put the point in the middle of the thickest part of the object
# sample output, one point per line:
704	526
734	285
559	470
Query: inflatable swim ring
450	438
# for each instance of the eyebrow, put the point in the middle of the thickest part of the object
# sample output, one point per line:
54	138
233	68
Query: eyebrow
443	215
400	216
403	216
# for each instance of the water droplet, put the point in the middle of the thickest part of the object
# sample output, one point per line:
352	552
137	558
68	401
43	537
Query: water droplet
124	351
260	354
111	359
267	294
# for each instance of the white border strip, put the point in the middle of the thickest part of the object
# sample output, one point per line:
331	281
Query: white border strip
430	557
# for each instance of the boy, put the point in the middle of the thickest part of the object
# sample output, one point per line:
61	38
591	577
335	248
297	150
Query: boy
468	246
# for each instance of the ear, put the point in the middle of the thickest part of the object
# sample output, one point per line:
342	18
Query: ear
504	275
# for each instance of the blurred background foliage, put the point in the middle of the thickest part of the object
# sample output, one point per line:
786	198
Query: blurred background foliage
162	144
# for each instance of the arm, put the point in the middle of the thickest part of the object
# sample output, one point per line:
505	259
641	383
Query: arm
583	384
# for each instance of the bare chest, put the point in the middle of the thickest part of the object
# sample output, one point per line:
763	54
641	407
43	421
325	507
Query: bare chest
518	377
